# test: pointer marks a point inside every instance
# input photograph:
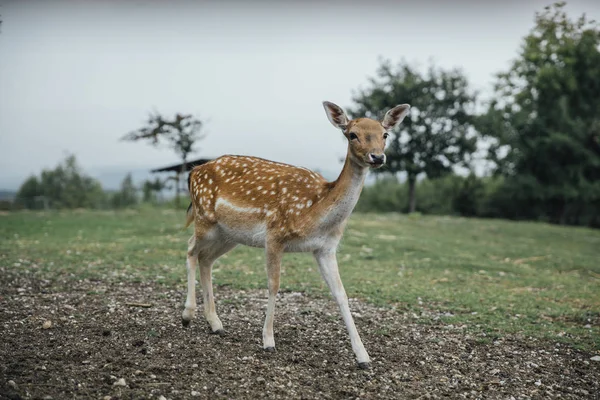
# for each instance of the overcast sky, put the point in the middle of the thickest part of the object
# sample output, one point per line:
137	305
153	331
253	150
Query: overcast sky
77	75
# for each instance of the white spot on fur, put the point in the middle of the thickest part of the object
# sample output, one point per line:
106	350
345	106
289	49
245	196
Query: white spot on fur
222	202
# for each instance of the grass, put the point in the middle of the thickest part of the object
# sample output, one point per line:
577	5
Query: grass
493	276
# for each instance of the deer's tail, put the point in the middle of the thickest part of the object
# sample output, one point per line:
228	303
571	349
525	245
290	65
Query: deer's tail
189	219
190	210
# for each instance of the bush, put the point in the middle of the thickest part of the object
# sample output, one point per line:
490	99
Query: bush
66	186
385	195
472	196
449	195
126	196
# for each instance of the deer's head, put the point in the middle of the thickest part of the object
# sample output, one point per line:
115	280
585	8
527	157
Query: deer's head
366	136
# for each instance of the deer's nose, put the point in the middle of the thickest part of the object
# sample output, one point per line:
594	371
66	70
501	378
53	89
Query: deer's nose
377	159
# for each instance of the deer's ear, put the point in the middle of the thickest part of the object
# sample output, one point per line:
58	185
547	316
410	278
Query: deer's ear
336	115
394	116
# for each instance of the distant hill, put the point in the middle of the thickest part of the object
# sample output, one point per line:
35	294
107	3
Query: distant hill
7	195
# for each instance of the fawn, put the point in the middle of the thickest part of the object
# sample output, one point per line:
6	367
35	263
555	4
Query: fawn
281	208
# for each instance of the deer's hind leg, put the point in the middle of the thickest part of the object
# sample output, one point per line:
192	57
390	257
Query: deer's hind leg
204	247
190	302
274	253
206	260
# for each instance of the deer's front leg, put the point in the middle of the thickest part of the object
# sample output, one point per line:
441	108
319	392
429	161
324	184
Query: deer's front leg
329	269
274	254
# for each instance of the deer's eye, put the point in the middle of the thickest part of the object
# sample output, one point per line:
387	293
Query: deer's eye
385	135
353	136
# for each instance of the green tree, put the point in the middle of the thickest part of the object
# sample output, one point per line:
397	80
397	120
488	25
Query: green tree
151	188
466	199
127	195
179	133
546	121
437	134
29	193
66	186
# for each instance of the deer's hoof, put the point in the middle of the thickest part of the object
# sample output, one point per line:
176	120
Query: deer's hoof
185	322
219	332
270	349
364	365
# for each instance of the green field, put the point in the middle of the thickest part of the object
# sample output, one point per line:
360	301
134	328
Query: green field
491	276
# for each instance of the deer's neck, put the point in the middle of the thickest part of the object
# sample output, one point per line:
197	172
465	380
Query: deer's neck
344	192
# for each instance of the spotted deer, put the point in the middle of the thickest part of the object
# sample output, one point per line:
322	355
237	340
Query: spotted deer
281	208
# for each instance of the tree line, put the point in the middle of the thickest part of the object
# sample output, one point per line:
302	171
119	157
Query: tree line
68	187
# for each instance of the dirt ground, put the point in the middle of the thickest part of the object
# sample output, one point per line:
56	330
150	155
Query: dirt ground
100	347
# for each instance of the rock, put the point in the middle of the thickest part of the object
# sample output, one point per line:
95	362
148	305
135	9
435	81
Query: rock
195	394
12	384
120	382
47	324
595	358
161	397
260	379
